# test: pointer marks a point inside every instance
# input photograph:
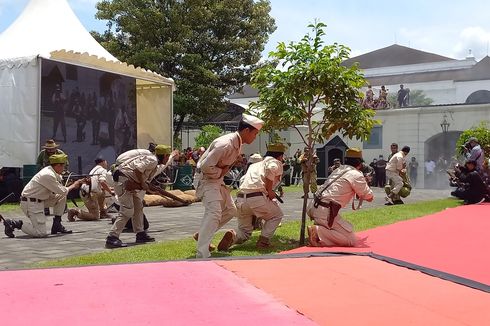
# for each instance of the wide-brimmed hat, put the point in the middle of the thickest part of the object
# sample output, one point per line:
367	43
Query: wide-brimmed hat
50	144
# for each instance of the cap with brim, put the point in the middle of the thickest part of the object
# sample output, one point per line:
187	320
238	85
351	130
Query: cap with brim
353	153
276	147
58	158
473	139
50	144
470	162
253	121
163	149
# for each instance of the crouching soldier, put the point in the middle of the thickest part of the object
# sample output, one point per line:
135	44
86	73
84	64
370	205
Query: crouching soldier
347	181
257	198
43	191
93	194
132	176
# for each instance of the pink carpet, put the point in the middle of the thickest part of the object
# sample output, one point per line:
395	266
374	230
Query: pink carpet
172	293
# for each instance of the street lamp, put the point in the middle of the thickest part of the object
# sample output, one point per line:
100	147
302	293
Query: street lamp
444	124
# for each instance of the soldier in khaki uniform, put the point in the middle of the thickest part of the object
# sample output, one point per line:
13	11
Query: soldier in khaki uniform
396	166
213	165
313	186
93	194
347	181
44	190
257	198
132	175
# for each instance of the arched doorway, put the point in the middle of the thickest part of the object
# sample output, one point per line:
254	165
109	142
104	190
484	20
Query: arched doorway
441	149
335	148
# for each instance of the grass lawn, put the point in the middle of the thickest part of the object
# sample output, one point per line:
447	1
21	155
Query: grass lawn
286	237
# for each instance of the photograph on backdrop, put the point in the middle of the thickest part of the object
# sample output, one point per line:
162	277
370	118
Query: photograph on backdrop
88	113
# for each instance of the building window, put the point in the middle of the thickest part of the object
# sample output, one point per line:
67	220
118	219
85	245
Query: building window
375	140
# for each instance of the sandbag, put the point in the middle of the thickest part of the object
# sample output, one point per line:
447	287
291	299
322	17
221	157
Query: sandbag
158	200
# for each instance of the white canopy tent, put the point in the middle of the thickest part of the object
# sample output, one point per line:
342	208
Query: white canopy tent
49	30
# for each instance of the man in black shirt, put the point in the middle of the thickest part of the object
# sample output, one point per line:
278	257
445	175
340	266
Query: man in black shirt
473	190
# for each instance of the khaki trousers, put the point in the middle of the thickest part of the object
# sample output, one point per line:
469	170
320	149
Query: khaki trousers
95	205
131	208
219	208
261	207
35	212
396	179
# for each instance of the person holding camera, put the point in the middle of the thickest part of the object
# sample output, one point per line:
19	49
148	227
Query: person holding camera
471	187
473	152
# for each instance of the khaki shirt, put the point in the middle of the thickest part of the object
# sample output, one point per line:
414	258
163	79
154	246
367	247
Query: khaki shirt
42	160
99	174
396	163
220	156
144	163
350	183
304	161
43	184
257	173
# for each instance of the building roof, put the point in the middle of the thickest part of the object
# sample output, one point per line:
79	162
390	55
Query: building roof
394	55
45	26
248	91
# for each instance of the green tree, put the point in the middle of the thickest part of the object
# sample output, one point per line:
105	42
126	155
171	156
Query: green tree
207	135
417	98
209	47
481	132
311	87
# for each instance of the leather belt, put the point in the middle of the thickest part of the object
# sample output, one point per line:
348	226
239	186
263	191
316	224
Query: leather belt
34	200
252	194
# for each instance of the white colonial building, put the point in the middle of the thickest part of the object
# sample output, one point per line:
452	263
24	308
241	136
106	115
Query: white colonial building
460	90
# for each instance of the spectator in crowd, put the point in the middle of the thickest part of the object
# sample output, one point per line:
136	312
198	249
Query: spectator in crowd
471	188
413	167
380	170
403	96
373	173
429	167
369	99
474	152
383	98
296	167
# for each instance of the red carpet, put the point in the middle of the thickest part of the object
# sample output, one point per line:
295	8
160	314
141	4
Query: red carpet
454	241
354	290
279	290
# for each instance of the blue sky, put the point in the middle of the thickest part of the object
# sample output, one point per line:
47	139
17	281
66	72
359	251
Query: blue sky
449	28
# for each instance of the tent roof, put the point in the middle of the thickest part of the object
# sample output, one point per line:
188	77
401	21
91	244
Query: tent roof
45	26
50	29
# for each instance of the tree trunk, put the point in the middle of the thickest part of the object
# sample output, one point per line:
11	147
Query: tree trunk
178	126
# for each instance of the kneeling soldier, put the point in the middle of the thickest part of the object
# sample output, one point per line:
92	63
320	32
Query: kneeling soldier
257	198
43	191
93	194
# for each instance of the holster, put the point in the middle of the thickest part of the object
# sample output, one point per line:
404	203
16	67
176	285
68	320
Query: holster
333	207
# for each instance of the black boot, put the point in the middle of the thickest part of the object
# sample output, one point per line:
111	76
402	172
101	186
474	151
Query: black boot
114	242
142	237
58	227
10	226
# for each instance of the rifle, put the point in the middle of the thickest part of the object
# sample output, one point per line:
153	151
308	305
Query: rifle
165	193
